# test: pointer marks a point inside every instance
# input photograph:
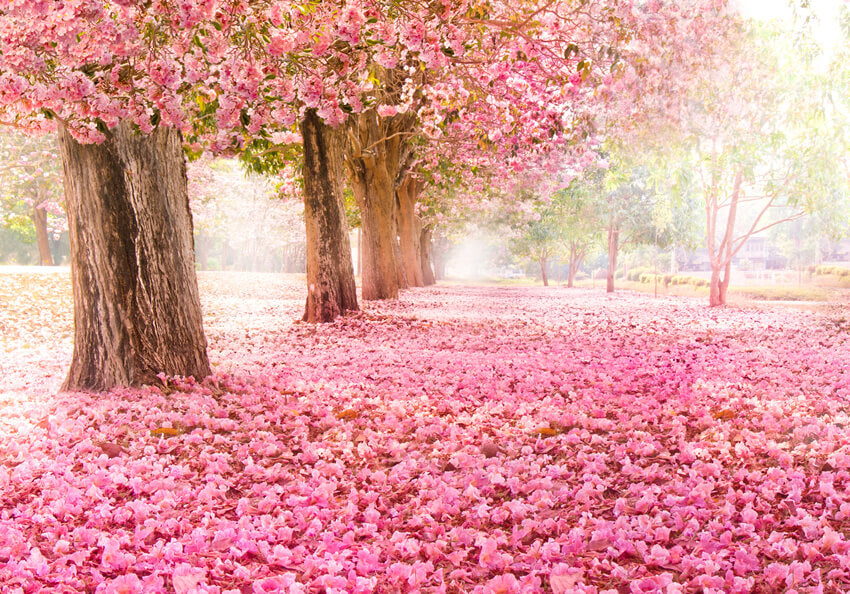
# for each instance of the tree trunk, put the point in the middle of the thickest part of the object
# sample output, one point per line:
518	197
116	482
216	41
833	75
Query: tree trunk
543	272
202	250
376	198
377	148
425	253
39	219
359	251
409	231
714	294
722	257
613	237
136	307
576	256
718	285
401	273
330	274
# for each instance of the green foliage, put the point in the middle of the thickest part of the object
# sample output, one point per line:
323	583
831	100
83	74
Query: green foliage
635	274
838	271
673	279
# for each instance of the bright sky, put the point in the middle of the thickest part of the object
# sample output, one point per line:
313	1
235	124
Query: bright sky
827	30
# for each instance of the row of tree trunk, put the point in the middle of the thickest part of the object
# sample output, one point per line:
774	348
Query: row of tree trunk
137	310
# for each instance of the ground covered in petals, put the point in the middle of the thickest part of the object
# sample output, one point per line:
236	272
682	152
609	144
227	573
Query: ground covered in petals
462	439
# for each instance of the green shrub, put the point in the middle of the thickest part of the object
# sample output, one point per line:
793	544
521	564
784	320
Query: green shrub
839	271
636	273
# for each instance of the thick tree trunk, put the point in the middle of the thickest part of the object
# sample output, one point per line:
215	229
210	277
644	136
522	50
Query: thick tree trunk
425	254
136	307
409	231
377	148
376	197
39	219
330	273
613	247
543	272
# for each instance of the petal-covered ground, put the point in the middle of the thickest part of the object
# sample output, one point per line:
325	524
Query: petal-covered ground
462	439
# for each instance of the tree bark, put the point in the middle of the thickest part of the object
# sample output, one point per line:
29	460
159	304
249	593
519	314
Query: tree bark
425	254
721	259
202	251
613	246
376	149
376	198
439	251
39	219
401	273
576	257
409	231
330	273
543	272
137	312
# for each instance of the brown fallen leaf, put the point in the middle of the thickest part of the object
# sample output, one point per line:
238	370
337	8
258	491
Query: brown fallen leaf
725	414
112	450
489	449
347	414
544	432
165	432
598	544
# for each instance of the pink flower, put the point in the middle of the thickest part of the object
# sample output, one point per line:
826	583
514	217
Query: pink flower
386	111
186	578
126	584
502	584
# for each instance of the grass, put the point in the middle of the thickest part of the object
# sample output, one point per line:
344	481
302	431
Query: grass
787	293
807	292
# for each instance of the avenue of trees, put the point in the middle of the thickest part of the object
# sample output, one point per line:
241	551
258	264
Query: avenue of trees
407	113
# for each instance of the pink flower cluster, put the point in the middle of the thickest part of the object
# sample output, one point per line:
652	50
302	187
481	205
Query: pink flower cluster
473	439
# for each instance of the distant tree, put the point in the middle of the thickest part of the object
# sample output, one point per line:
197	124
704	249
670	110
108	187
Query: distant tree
627	208
245	217
763	140
578	209
540	238
31	189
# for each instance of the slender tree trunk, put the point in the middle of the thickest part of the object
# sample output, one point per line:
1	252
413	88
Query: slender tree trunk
359	251
399	265
576	256
719	285
39	219
722	258
330	274
543	272
137	312
440	268
202	250
409	231
425	253
613	246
